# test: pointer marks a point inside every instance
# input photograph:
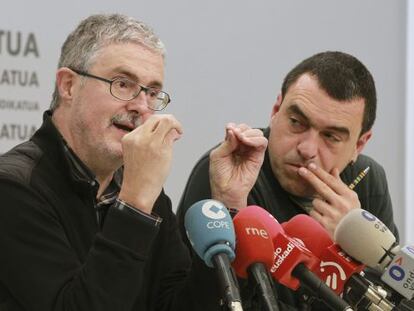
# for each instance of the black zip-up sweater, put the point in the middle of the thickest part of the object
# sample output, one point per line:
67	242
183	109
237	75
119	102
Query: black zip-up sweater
53	254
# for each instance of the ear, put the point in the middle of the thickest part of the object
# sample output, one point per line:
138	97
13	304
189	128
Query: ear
276	106
362	141
65	81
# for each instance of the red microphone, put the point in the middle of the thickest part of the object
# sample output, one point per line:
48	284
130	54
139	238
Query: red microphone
253	243
339	271
309	231
254	255
294	263
288	252
335	266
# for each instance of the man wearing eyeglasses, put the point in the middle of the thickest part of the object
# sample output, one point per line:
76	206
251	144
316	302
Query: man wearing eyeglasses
84	221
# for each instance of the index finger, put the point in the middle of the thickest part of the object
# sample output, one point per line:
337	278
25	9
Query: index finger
252	137
326	185
165	124
323	189
332	180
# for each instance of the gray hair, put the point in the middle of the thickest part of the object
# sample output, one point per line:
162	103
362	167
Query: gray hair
97	31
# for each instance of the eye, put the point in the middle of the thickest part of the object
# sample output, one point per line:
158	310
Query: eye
296	125
293	121
124	84
153	93
331	137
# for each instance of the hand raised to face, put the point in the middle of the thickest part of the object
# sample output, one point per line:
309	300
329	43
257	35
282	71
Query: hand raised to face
334	198
147	154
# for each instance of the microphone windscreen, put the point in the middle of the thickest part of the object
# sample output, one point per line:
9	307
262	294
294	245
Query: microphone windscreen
254	244
210	230
312	233
273	227
364	237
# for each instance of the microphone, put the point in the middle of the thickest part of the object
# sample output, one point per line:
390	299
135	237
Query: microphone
400	273
335	267
365	238
382	250
210	230
293	264
309	231
254	255
339	271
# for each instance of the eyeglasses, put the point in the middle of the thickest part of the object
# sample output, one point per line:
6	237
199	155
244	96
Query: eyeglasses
125	89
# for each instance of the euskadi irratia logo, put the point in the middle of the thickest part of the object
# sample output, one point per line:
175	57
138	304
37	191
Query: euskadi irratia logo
334	271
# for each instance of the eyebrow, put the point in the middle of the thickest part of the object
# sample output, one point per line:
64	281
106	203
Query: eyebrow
134	77
294	108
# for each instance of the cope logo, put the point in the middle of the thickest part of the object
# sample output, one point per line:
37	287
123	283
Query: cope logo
333	271
216	211
213	210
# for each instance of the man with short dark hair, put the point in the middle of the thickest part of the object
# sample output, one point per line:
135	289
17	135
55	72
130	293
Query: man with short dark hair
319	125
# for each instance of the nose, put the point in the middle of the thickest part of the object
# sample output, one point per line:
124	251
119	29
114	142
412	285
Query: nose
139	103
307	146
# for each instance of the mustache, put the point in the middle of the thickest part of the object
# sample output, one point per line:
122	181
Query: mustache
130	118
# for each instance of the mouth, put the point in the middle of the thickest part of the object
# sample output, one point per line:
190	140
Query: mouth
296	165
124	127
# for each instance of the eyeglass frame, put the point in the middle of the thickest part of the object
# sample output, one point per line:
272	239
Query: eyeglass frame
143	88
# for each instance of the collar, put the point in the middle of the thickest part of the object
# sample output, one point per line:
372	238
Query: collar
58	151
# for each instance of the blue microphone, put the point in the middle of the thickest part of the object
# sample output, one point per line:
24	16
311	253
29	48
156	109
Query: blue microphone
210	231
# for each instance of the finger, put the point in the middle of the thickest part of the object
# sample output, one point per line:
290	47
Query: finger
252	137
332	180
165	124
239	127
335	173
227	146
322	207
172	136
149	125
255	142
318	184
249	133
324	220
230	125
